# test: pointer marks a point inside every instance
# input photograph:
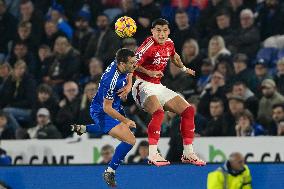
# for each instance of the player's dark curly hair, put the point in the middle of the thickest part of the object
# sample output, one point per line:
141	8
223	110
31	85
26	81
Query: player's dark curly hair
123	54
160	21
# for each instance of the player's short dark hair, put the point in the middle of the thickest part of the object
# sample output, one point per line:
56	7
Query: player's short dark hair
279	105
160	21
44	88
123	54
217	100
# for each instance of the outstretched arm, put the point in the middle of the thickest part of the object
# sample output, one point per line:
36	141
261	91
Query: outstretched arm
178	62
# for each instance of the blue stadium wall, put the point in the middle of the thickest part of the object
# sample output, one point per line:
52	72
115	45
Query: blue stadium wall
130	176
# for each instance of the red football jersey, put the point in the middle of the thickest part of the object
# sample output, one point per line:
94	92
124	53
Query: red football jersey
153	56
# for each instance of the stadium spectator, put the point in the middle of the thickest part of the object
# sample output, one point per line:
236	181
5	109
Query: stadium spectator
83	31
236	106
205	76
22	52
176	76
279	76
45	99
207	22
270	97
225	66
5	72
261	72
45	58
191	57
56	15
242	72
7	29
104	43
147	12
224	28
251	101
65	64
216	88
141	154
246	125
247	40
6	132
18	96
4	160
44	128
183	31
217	125
95	70
128	9
107	152
69	108
24	34
280	128
29	14
130	43
277	116
233	174
235	8
90	91
51	33
269	19
216	48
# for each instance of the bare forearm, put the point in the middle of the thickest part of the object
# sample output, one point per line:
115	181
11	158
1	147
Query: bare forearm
114	114
142	70
177	61
129	79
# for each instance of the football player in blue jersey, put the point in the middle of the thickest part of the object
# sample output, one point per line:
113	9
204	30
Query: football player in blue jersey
107	112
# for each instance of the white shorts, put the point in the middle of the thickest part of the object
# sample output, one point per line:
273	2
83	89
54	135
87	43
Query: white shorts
142	89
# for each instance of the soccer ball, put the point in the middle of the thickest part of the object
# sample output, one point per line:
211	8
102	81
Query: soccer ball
125	27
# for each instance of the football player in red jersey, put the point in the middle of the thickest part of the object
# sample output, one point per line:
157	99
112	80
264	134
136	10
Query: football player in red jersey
154	98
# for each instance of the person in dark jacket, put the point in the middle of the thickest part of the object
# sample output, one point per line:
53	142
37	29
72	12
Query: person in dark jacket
45	99
247	40
83	31
269	19
242	72
184	30
28	13
65	65
18	97
51	33
141	154
279	76
104	43
216	88
6	132
69	108
90	91
44	128
7	28
217	125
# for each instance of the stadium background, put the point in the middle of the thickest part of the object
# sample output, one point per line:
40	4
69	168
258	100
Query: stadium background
45	44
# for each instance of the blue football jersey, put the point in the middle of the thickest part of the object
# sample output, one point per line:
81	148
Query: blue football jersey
111	81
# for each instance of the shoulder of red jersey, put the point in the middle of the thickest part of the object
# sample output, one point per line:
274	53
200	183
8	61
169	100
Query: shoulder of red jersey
169	40
144	47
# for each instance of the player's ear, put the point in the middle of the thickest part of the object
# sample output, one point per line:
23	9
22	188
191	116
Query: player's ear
152	30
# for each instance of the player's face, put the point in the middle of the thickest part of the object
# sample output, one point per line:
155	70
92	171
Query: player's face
131	64
161	33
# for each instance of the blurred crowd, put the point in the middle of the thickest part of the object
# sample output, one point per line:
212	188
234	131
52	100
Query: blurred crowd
53	52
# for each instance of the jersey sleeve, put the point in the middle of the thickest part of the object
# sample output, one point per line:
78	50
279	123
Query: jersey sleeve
110	86
141	51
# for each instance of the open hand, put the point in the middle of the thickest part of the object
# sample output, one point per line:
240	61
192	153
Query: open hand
130	123
123	92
